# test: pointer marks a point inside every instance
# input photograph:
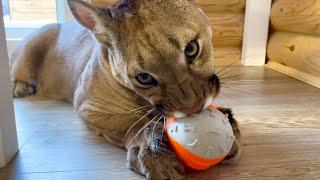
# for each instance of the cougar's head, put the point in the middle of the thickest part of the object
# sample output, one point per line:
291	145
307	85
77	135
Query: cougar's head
161	49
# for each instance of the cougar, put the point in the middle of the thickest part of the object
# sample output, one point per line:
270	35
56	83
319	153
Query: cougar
126	68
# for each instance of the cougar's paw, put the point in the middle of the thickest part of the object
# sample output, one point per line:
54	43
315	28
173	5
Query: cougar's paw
155	164
22	89
234	156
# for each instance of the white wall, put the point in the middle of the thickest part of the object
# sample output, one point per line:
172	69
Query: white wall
256	28
8	134
11	44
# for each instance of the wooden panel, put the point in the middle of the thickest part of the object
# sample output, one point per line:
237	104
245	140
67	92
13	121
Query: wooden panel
302	76
214	6
296	50
30	10
301	16
227	56
227	29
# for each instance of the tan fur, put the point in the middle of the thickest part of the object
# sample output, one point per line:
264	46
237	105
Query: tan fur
94	67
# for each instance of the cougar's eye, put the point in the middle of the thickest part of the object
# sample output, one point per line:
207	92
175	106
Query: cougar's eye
146	80
192	50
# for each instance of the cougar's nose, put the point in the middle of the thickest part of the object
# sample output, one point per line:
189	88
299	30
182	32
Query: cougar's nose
196	108
215	81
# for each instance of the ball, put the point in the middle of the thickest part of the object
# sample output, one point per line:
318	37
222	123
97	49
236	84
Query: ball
202	140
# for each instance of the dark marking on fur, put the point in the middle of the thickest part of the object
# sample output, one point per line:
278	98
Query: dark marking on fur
174	42
232	120
122	7
181	89
153	47
140	61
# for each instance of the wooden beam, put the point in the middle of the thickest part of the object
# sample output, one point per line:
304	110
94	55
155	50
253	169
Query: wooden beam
222	6
256	28
299	51
227	29
302	76
8	133
299	16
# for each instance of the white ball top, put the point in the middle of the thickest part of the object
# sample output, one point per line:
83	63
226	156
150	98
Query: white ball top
208	134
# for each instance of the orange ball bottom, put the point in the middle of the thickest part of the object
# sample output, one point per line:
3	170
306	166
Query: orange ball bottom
189	159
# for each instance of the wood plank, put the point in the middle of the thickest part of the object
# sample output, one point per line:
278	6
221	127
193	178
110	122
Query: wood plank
222	6
75	175
225	56
51	127
300	75
298	51
8	133
227	29
300	16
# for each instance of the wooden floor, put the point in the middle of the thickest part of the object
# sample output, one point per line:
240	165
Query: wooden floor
279	119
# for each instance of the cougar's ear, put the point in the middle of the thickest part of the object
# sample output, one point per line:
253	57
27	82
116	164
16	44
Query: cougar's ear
88	15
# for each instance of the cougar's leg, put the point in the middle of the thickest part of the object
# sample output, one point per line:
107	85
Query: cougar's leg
27	58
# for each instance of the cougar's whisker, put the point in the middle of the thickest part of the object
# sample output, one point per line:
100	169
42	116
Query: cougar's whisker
231	69
231	82
139	108
164	125
149	112
143	128
223	69
231	77
156	125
